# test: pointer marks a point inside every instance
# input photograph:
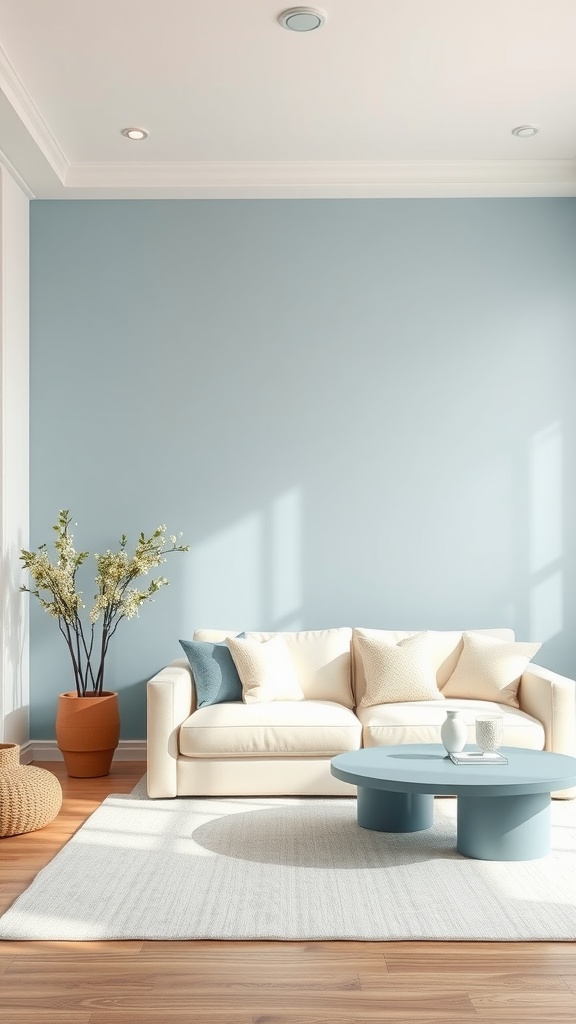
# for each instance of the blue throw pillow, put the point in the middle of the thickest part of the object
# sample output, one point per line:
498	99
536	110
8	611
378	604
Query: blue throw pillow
215	674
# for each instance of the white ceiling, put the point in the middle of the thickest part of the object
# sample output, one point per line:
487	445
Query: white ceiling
389	98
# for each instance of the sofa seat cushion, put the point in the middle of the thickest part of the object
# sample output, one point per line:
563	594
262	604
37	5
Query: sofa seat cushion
307	728
420	721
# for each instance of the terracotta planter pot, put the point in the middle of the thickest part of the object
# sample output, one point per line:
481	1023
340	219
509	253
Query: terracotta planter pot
87	733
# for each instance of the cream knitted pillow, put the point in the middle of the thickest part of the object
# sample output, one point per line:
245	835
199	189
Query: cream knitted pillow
397	672
266	670
490	669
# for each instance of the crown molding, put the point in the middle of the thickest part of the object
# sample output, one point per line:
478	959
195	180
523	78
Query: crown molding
31	118
265	179
268	179
338	179
14	173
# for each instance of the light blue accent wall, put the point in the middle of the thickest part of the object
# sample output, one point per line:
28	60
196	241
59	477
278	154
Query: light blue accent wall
359	412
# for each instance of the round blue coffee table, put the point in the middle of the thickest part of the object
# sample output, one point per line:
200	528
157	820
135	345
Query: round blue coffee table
503	810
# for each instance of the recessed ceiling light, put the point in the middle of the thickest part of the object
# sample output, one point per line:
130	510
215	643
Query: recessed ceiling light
134	133
302	19
524	131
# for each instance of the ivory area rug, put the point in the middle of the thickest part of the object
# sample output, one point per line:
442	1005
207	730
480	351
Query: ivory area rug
288	868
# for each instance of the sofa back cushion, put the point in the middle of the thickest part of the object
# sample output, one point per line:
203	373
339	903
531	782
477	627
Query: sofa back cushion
446	646
321	658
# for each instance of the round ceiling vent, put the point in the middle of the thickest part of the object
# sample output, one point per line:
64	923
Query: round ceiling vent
524	131
302	19
136	134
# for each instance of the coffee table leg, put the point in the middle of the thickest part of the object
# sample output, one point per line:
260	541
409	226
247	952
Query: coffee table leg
504	827
383	811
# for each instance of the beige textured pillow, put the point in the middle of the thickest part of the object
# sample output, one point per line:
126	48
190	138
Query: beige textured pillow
265	669
397	672
490	669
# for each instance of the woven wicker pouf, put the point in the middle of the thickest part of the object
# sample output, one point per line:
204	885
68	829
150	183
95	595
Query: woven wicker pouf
30	797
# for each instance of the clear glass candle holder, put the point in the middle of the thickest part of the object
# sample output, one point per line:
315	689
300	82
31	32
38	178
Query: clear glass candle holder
489	729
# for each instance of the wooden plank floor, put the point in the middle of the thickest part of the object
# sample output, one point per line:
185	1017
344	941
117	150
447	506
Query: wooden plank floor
261	982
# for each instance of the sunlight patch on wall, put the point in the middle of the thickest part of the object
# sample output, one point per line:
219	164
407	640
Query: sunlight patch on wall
286	560
545	498
249	574
547	608
226	573
546	600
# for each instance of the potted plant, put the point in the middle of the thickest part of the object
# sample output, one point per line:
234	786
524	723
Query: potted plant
88	720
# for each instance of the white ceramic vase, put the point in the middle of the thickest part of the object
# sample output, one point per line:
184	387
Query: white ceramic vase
454	732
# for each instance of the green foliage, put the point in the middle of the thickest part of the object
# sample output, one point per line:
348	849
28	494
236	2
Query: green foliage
54	584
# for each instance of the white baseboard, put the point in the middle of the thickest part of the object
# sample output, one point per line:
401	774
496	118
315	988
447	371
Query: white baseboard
46	750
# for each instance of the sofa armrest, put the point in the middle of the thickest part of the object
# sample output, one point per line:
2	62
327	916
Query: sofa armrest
171	699
551	698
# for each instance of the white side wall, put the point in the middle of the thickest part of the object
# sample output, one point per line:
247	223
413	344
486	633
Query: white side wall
14	458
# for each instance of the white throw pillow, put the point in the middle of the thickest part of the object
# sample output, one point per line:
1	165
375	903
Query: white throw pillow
265	669
397	672
490	669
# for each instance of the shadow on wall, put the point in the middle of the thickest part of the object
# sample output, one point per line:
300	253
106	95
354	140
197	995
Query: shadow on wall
494	555
358	413
252	569
544	584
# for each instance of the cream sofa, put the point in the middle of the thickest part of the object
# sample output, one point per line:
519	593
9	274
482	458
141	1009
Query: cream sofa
285	747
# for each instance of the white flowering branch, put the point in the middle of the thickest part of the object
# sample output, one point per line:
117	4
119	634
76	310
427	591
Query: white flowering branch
116	597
